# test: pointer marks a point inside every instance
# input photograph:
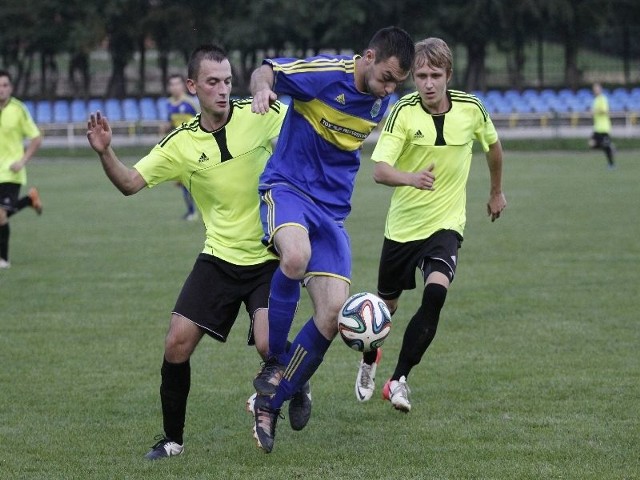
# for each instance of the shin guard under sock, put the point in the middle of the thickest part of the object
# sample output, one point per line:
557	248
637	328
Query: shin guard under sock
174	390
306	353
283	302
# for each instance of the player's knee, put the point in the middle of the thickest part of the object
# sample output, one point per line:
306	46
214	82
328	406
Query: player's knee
4	217
294	263
179	344
434	296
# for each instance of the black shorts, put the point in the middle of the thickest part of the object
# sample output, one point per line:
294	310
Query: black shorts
398	261
601	140
215	289
9	193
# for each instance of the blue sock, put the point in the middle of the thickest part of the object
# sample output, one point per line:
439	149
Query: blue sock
283	302
306	353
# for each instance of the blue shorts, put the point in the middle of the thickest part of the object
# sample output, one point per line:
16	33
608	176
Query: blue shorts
282	205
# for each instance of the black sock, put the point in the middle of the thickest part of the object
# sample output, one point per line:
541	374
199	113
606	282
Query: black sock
421	330
174	390
4	242
609	152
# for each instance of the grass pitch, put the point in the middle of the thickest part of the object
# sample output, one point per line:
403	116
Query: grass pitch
534	373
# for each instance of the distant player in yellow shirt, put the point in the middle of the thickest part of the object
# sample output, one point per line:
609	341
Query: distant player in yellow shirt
600	138
218	155
424	152
16	125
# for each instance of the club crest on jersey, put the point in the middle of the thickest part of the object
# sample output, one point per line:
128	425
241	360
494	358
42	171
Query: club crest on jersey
375	110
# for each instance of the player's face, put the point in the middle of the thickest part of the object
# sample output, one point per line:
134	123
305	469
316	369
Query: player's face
5	89
382	78
212	87
431	83
176	87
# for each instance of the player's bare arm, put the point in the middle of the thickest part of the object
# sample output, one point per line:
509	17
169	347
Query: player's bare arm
497	201
386	174
99	134
261	89
31	149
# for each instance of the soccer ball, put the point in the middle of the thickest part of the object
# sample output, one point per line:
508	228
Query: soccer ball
364	322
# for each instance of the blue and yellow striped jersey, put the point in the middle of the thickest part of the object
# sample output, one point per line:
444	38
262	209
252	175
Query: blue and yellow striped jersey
181	111
327	122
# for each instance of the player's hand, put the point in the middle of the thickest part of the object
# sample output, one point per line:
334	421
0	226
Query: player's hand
99	132
497	203
262	100
17	166
423	180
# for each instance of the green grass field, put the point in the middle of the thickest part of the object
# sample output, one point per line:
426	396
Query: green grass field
535	373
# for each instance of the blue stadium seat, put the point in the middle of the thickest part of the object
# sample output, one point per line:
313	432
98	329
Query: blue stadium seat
162	107
130	110
44	112
148	109
31	107
113	110
61	111
78	111
95	104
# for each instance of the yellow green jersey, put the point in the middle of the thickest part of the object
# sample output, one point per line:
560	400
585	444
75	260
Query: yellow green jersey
411	140
600	110
221	170
16	125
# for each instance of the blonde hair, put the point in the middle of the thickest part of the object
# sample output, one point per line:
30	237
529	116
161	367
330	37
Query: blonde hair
435	52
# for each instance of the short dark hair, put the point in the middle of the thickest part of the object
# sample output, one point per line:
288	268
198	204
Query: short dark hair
5	73
393	42
204	52
179	76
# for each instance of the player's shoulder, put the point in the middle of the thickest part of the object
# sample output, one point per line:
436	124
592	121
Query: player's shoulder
467	100
243	106
315	64
182	132
18	105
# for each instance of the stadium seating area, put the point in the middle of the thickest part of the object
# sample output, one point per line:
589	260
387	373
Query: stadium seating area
497	102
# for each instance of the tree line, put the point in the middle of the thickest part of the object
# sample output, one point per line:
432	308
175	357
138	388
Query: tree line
34	33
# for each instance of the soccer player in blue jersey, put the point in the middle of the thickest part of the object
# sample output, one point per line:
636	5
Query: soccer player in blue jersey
306	196
425	152
181	108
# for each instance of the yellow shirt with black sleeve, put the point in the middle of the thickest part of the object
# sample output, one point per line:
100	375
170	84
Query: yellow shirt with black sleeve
411	140
221	170
16	124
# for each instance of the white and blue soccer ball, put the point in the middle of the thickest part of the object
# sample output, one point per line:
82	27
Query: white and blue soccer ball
364	322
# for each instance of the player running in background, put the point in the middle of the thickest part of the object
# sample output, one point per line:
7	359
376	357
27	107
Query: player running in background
306	196
600	138
181	109
425	152
16	125
220	155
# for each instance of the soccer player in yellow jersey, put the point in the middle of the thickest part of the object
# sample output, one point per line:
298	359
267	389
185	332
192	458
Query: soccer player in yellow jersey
218	156
601	124
424	152
16	125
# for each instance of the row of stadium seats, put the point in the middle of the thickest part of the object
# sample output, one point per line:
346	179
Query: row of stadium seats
549	101
129	109
508	102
